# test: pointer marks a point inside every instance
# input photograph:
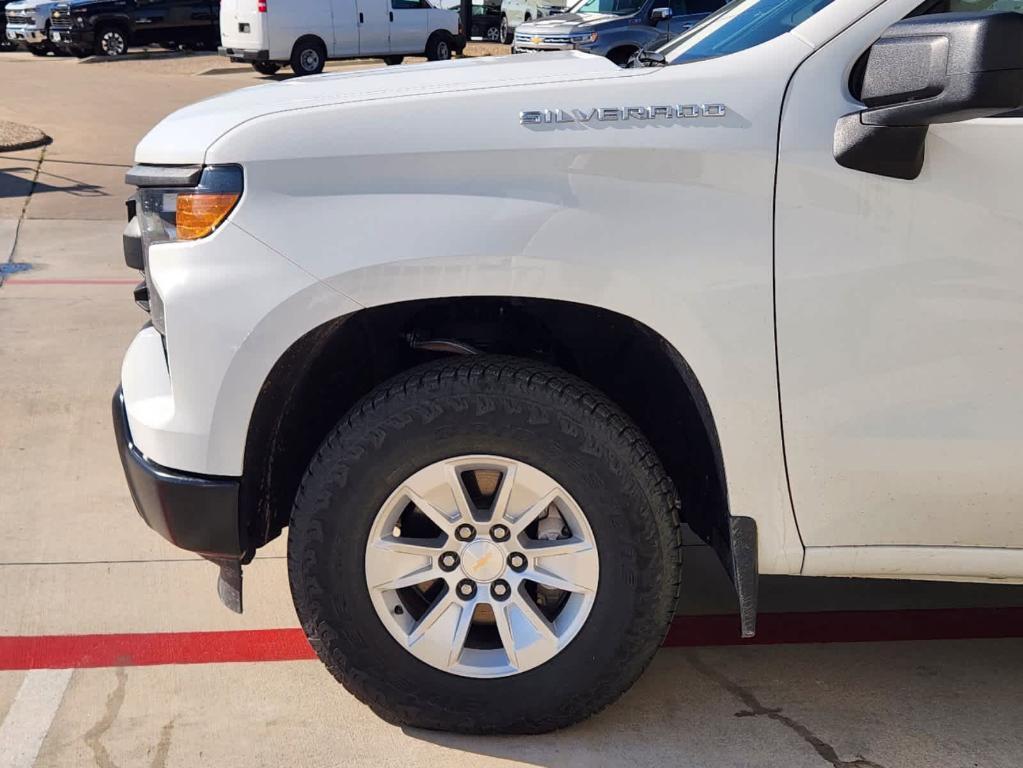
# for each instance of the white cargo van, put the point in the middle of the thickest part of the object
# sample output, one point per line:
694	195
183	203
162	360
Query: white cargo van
306	33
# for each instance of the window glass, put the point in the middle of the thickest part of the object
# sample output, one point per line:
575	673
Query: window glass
704	6
405	5
740	25
615	7
679	8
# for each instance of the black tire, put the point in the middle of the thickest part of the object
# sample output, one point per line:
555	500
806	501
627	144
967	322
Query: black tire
522	410
393	61
266	67
507	33
439	47
308	57
111	41
39	50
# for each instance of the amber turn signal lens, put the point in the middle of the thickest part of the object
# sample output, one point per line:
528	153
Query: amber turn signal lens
198	214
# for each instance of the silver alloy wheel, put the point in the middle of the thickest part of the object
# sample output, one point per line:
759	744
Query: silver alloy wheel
482	566
310	59
443	51
494	34
112	43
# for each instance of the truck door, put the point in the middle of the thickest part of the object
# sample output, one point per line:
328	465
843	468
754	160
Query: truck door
151	18
346	28
409	25
900	332
374	27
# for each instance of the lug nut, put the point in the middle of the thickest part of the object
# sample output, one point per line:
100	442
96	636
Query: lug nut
465	532
466	589
500	590
500	533
517	561
448	561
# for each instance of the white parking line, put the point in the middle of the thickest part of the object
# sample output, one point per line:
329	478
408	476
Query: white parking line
31	715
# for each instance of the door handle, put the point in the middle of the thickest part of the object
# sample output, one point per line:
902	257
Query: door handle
391	14
360	18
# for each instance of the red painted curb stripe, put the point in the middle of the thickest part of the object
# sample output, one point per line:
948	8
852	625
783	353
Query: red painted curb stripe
146	649
67	281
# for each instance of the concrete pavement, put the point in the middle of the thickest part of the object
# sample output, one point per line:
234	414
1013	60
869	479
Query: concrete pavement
75	558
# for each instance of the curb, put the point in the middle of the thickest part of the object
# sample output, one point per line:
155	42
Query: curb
16	136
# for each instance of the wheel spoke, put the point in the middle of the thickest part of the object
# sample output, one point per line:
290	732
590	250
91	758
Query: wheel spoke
505	631
436	615
504	492
531	638
395	563
458	491
461	632
437	517
439	636
571	566
518	524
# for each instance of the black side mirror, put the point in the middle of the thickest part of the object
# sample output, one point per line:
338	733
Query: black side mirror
942	68
659	14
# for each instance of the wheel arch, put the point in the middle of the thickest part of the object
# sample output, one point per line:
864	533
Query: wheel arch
309	38
313	384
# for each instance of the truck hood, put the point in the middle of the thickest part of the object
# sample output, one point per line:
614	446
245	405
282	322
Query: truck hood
565	23
29	5
184	137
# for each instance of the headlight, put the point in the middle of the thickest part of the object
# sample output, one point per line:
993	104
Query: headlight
584	37
189	213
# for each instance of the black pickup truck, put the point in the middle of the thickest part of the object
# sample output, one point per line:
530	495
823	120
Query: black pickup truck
109	27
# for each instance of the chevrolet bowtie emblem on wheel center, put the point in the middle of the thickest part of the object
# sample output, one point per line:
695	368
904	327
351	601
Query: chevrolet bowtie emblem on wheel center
610	114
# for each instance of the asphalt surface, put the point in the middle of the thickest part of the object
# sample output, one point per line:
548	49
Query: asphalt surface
76	560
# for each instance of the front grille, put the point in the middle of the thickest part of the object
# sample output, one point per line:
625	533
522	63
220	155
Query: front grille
60	25
545	39
19	20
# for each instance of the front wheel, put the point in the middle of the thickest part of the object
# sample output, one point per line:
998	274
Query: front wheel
39	50
485	545
506	31
112	42
266	67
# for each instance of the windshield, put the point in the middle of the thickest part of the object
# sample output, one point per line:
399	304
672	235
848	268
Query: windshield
740	25
615	7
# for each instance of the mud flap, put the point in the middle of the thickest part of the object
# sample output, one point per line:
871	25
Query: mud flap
744	570
229	584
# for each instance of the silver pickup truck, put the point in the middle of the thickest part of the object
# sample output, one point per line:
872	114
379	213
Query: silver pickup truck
28	25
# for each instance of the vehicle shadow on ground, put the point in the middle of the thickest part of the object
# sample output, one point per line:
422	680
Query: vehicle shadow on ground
18	182
863	705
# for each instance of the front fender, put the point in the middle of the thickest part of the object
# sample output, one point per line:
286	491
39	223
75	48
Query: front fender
665	221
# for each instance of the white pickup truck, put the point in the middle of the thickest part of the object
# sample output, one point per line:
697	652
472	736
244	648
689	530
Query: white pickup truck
480	334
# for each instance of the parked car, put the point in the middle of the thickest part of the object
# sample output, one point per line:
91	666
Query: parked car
110	27
28	25
613	28
486	23
305	34
481	335
516	12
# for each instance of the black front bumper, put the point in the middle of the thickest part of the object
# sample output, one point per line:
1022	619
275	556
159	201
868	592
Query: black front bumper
194	512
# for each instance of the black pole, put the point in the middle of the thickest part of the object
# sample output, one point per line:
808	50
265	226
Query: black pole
465	14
